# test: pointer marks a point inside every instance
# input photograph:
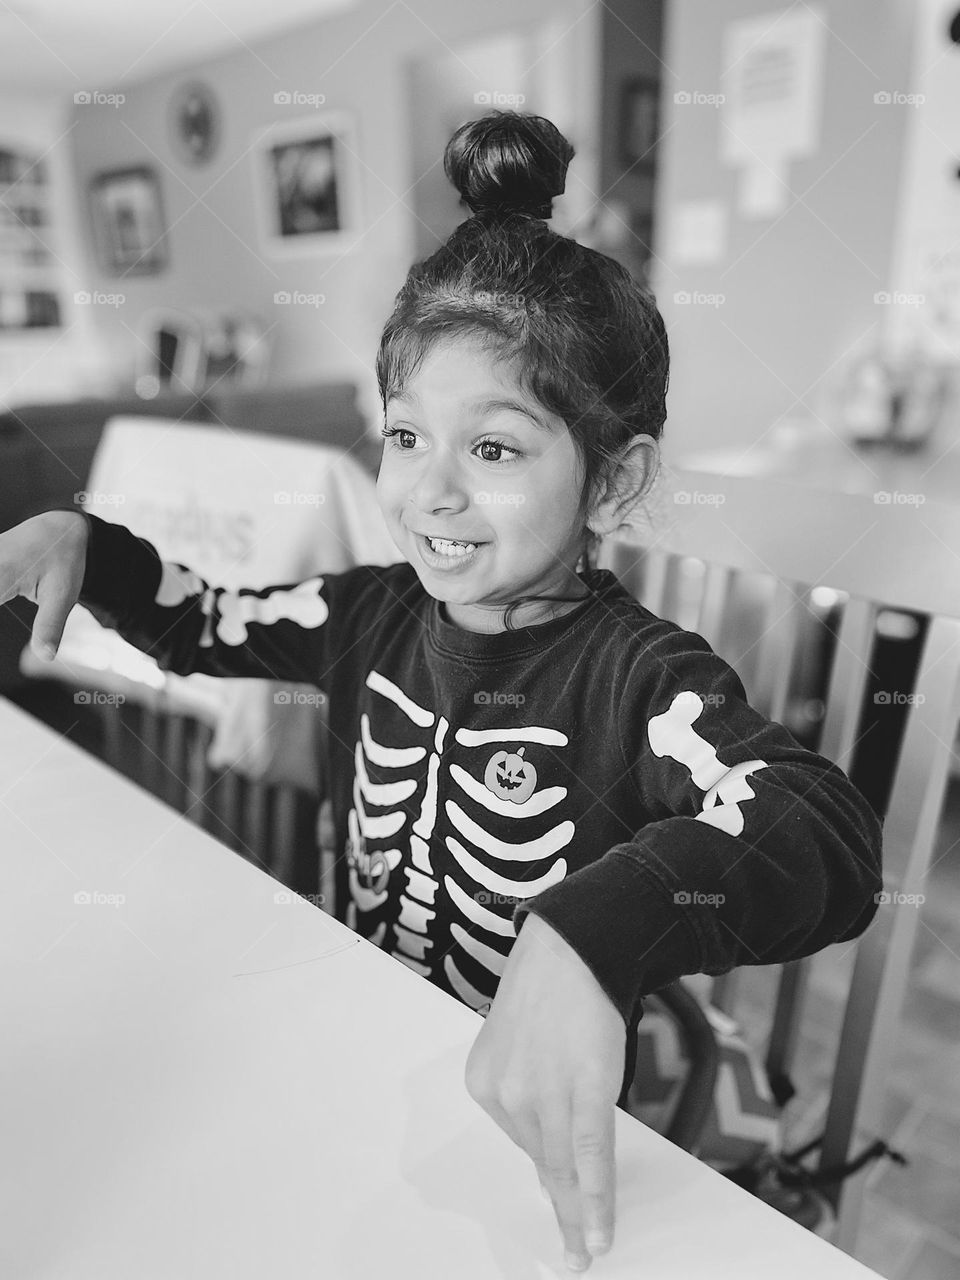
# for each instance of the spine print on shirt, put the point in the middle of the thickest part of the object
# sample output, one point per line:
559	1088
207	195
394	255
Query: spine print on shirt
504	784
672	734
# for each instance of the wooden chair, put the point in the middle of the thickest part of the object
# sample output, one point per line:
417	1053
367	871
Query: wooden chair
771	573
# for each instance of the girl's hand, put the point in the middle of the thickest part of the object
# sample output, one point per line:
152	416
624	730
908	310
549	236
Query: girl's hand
44	559
547	1067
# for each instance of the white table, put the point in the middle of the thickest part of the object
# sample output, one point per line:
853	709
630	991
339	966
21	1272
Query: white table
206	1079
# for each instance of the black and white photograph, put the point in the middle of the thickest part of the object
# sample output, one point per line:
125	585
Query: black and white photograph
480	639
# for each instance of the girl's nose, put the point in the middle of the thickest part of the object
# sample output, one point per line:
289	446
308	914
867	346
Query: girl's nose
439	484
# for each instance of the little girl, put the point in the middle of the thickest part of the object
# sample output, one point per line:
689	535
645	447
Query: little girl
550	803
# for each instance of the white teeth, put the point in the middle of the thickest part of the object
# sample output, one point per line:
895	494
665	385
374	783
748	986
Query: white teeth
446	548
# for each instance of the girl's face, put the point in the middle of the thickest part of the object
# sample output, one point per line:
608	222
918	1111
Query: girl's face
464	465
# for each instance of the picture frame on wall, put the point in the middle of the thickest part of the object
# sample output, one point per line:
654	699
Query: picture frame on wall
307	184
640	122
127	219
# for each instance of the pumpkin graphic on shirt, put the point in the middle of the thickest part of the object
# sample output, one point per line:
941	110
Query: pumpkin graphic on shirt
509	776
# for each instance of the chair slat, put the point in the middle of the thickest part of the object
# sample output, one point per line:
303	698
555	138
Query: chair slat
656	570
884	951
714	597
777	648
848	681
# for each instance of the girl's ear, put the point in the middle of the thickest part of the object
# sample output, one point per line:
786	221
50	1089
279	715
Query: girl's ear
632	476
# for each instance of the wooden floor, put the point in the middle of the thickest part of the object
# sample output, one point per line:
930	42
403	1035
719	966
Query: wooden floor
911	1224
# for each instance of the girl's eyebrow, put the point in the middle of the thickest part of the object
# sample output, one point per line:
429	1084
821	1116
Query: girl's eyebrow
484	405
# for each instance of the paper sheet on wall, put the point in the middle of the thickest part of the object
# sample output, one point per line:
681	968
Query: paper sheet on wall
771	82
699	232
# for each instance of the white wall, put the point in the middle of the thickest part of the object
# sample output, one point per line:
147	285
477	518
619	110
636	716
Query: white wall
798	287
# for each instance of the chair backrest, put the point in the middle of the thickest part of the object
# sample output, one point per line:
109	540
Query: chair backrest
841	614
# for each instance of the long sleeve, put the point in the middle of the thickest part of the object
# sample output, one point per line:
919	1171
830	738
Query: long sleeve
169	611
757	851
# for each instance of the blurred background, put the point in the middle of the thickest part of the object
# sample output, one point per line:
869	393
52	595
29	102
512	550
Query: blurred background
207	208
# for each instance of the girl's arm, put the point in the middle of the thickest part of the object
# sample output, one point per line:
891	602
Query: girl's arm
173	615
757	850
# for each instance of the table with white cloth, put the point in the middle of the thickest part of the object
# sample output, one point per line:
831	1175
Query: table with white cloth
204	1076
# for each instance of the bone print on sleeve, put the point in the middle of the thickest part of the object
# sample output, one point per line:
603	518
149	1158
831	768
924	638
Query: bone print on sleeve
756	850
172	614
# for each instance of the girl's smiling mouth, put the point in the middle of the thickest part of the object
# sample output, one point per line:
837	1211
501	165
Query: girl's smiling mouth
451	556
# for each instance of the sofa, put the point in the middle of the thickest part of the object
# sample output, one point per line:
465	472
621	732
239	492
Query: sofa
46	451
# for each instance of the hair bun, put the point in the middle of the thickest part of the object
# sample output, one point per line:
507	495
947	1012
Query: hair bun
507	162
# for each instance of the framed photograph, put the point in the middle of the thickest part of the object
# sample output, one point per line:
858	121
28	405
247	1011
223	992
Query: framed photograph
128	225
640	122
307	184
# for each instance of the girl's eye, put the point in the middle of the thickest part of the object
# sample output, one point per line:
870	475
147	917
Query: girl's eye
489	442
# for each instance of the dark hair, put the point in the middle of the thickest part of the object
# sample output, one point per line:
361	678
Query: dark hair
585	338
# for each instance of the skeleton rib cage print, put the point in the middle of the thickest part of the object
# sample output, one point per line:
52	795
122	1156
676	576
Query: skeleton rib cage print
487	812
